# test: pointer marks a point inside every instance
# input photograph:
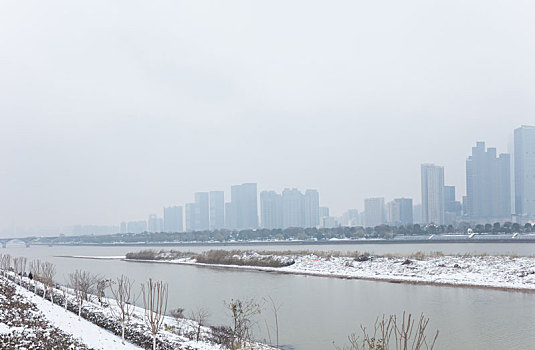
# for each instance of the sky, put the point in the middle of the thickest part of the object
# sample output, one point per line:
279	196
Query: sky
111	110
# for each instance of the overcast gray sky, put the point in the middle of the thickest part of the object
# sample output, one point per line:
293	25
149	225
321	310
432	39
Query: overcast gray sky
110	110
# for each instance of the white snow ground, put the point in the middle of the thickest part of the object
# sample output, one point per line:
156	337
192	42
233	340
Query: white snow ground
500	272
86	332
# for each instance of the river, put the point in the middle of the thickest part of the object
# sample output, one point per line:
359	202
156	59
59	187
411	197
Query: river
317	311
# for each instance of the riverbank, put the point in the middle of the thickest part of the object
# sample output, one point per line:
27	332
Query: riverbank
31	322
508	273
25	314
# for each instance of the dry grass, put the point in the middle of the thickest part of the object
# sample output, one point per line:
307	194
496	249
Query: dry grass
240	258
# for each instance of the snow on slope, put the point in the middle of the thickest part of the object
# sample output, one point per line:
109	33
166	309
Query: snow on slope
87	332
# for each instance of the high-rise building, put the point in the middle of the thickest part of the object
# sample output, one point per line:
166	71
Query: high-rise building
350	218
217	210
293	210
203	211
271	209
324	212
488	185
432	179
155	223
392	212
173	219
311	208
374	211
124	227
452	208
524	164
399	211
244	207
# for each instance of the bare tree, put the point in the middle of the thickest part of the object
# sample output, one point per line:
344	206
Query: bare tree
64	291
16	265
178	315
274	307
22	268
242	313
155	303
35	269
74	283
19	265
200	315
407	334
48	272
83	284
5	262
122	291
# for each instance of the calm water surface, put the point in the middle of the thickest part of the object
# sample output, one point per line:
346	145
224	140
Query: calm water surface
317	311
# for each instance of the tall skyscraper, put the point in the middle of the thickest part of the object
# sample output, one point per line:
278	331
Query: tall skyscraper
293	210
173	219
374	212
432	179
311	207
217	210
524	159
488	185
271	209
400	211
244	205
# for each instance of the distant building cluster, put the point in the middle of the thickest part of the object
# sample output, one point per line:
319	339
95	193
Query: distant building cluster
209	211
290	209
499	188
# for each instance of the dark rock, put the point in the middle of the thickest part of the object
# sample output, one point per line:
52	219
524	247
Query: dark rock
406	262
362	258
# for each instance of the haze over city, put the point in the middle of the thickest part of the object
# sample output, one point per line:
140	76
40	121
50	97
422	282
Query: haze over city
111	111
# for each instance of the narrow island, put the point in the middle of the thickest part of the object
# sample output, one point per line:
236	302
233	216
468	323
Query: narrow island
502	272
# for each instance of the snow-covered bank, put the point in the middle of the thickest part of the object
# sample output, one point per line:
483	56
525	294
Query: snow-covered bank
99	326
497	272
30	322
86	332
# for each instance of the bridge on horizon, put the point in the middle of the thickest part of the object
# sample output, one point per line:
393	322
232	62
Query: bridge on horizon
16	241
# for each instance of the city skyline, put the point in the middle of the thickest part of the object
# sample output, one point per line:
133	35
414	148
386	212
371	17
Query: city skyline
204	210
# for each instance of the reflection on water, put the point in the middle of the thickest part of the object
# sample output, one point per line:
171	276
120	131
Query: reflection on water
317	311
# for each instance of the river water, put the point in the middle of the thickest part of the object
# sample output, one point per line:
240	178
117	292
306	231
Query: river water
317	311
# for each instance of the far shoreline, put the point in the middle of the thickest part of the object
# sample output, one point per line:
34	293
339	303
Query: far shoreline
303	243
